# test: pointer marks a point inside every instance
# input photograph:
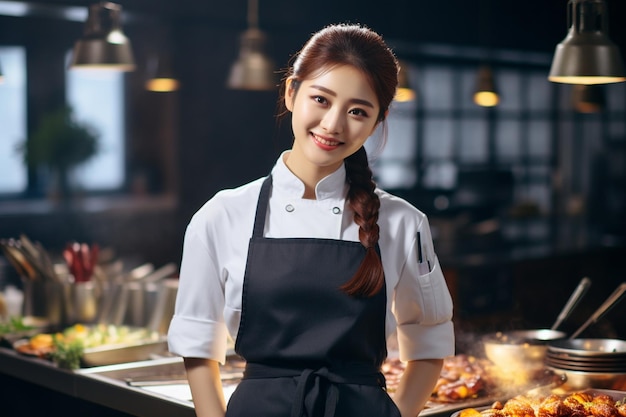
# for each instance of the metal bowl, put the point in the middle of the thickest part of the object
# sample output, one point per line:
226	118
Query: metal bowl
519	349
608	348
579	380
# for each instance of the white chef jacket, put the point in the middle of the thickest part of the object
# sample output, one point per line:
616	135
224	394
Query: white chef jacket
208	302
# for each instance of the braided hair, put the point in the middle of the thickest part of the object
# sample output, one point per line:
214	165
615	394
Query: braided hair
365	50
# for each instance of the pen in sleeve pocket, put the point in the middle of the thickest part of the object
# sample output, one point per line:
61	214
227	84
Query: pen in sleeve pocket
420	254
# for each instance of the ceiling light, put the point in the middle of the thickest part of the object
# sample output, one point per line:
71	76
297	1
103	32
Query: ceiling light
103	45
486	94
161	76
404	92
253	70
587	55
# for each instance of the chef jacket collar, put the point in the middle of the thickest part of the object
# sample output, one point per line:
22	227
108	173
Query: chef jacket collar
333	186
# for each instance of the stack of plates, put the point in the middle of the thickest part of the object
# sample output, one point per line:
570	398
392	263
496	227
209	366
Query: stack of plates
588	355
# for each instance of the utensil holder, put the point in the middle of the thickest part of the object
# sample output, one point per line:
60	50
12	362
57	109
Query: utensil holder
48	300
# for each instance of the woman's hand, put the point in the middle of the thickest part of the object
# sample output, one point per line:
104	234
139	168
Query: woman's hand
416	385
206	387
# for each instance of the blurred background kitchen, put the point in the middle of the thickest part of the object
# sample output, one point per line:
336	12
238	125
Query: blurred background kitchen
526	196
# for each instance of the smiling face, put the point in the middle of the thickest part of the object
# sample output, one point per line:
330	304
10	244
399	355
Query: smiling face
333	114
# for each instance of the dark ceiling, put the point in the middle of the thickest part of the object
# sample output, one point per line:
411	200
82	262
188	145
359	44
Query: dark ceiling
529	25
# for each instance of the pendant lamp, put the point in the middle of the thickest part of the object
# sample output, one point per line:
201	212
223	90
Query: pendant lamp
486	94
404	92
587	55
160	72
103	45
161	77
588	98
253	70
1	75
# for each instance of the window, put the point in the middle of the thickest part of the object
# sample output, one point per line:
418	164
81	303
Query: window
97	98
444	135
13	175
532	143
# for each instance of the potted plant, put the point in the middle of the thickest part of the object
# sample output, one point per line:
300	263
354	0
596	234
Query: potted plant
60	144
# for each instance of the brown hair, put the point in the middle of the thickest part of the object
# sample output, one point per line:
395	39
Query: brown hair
364	49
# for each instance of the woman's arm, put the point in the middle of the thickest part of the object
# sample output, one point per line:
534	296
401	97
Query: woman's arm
206	387
416	385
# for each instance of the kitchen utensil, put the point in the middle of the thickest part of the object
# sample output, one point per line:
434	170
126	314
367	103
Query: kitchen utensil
163	272
521	350
48	300
81	260
18	260
591	348
164	310
84	301
579	380
589	363
610	302
38	255
15	263
573	300
122	353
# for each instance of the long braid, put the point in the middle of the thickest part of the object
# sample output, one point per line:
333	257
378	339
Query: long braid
366	51
369	278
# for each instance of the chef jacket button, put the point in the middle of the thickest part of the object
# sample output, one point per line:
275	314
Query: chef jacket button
289	208
336	210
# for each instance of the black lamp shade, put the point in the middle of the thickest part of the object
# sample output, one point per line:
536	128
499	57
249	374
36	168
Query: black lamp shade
587	55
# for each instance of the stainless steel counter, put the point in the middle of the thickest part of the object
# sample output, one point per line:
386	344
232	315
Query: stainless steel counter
106	386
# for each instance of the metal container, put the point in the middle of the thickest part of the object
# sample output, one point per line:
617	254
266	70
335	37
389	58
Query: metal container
607	348
115	354
579	380
519	350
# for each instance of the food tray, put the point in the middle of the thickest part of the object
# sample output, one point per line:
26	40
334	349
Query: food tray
446	409
122	353
35	324
616	395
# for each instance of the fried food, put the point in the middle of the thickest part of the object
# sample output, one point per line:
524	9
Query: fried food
577	404
552	406
462	377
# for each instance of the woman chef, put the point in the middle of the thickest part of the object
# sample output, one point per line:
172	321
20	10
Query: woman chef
312	268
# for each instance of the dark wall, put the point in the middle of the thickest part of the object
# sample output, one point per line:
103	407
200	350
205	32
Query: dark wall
206	137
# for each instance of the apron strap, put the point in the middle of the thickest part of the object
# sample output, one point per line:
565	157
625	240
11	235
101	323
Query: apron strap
332	396
261	207
307	393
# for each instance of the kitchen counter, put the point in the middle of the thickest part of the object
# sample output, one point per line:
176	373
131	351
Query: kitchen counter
151	388
90	391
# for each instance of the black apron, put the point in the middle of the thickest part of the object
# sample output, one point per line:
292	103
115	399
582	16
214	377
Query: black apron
311	350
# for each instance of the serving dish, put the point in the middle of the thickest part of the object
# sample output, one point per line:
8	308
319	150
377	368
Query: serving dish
106	346
125	352
617	395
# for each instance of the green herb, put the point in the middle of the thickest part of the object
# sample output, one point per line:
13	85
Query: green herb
67	354
15	324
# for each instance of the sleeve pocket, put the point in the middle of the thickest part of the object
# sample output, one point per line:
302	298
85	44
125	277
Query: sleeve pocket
436	299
